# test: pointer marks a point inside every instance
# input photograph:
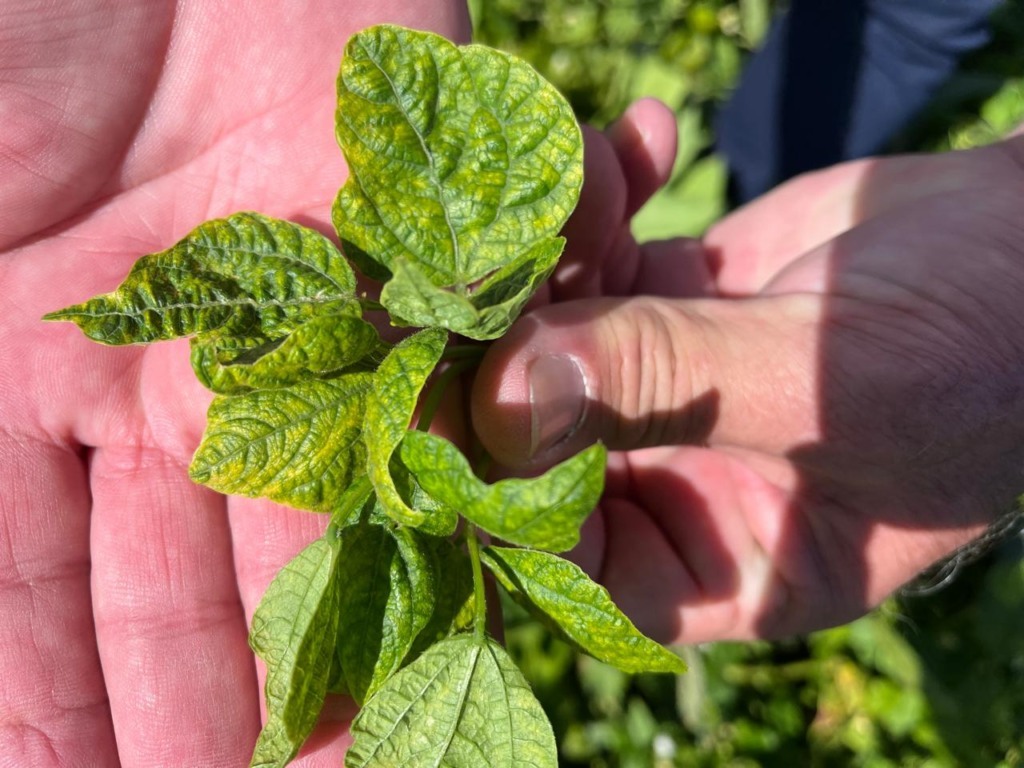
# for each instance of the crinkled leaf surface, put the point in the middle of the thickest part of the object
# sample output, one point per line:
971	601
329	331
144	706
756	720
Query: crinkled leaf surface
487	312
453	593
561	594
412	299
353	504
318	347
300	445
389	409
246	275
502	296
387	599
543	512
462	704
211	354
293	631
460	159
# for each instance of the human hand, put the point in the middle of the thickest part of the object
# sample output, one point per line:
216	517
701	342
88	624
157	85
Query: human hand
820	401
126	589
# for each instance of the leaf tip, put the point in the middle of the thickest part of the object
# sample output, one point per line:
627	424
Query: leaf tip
197	471
70	314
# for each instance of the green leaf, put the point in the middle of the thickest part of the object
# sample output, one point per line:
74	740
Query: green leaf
488	312
388	599
352	504
453	593
462	704
412	299
336	677
211	354
543	512
293	631
389	409
315	349
562	595
247	275
502	296
460	160
301	445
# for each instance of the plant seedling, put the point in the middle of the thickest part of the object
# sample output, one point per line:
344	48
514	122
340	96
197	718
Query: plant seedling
463	166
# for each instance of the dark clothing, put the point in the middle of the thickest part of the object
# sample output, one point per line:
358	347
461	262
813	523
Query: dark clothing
836	79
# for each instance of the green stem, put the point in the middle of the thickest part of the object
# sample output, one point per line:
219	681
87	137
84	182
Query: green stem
479	597
371	305
433	399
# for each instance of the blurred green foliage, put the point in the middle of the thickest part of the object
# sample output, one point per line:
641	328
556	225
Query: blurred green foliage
604	54
984	100
931	680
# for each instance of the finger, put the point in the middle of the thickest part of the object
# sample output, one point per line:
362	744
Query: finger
680	555
750	247
680	268
700	545
53	698
642	372
172	635
644	140
595	222
623	168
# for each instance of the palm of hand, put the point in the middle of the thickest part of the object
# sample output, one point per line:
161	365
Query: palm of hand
130	587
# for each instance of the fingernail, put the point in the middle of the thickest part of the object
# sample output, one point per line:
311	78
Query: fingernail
558	397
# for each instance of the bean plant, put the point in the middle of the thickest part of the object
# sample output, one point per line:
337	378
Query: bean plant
463	166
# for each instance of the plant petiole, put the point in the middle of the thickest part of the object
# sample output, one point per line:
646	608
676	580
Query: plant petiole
479	596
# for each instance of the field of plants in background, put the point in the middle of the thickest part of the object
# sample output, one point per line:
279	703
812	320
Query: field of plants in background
933	678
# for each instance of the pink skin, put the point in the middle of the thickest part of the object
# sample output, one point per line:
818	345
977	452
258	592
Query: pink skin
816	403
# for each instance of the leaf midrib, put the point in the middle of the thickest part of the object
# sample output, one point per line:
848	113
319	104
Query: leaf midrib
306	416
418	697
463	696
203	305
456	252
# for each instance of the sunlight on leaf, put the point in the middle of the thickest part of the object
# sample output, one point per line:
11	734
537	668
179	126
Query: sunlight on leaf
300	445
460	159
389	409
293	631
247	275
462	704
561	594
315	349
544	512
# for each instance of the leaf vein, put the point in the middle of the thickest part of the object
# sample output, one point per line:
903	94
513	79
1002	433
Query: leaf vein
430	158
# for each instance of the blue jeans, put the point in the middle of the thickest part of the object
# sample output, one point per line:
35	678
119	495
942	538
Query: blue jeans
836	79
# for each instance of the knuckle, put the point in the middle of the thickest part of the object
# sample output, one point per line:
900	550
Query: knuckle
653	372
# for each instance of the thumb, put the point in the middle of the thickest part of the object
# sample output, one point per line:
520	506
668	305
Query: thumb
648	371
